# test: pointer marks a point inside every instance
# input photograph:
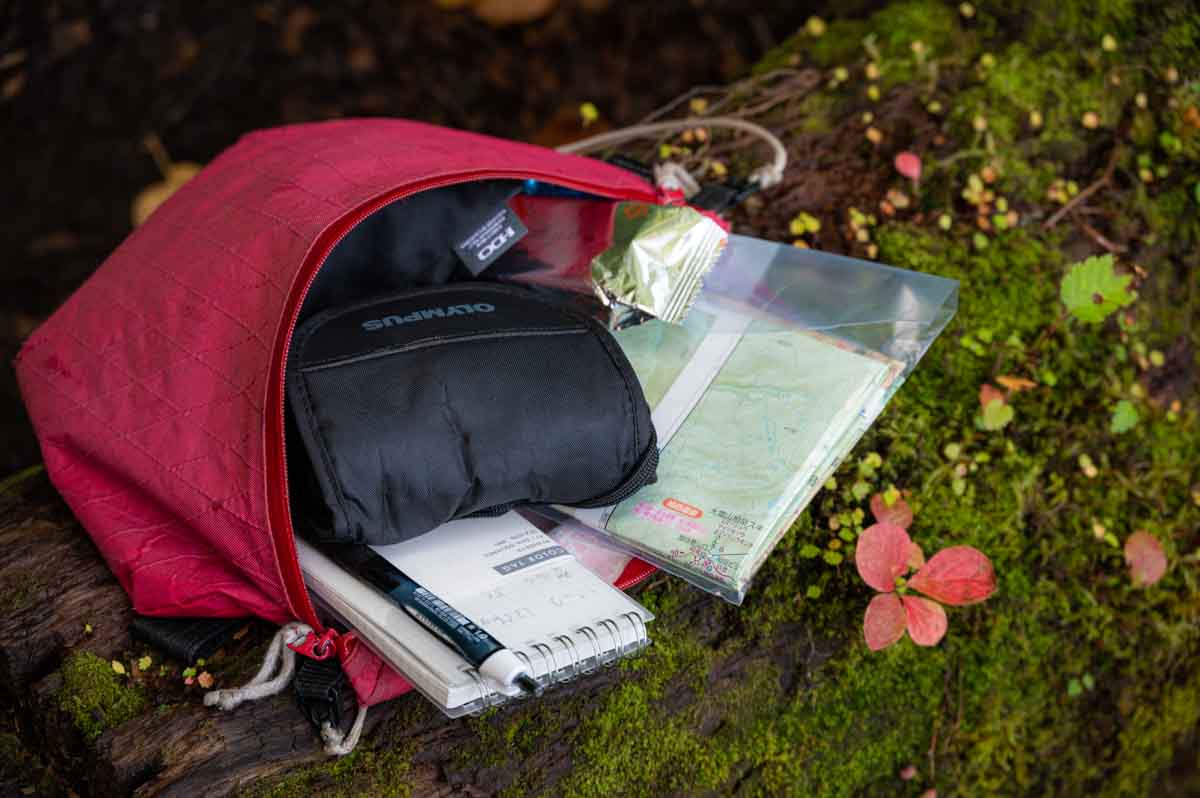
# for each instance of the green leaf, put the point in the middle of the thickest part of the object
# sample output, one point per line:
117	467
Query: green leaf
860	490
997	414
809	551
813	592
1092	289
833	558
1124	418
1088	681
1074	688
588	113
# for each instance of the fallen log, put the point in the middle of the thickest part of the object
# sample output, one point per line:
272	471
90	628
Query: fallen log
64	614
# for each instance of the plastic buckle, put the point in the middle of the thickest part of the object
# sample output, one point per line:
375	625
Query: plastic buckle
316	647
319	687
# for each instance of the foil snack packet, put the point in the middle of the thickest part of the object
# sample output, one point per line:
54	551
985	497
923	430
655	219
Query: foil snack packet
657	259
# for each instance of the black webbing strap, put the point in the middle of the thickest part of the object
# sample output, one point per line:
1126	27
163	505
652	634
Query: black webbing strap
715	197
185	639
720	197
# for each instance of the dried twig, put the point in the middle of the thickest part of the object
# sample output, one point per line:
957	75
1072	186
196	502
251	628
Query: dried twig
1098	184
1098	237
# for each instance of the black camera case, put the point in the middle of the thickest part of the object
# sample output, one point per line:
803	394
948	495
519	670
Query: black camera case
466	399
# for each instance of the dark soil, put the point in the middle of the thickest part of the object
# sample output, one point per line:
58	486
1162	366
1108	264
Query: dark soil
83	83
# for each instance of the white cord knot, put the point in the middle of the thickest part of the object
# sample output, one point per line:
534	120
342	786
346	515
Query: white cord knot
768	175
338	744
672	176
275	674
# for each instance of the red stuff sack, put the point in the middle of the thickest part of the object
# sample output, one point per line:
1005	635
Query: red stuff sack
157	389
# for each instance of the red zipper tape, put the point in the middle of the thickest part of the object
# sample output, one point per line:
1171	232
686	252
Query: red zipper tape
279	517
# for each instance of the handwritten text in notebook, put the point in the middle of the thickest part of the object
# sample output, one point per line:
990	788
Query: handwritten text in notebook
510	578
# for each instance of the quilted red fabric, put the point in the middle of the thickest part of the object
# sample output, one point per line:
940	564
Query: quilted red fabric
155	389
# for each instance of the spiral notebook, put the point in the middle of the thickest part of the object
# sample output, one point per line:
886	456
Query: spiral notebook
509	577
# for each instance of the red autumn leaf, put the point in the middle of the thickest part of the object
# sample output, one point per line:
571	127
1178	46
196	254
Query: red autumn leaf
916	557
884	621
1147	562
909	165
926	620
988	392
899	514
956	576
882	555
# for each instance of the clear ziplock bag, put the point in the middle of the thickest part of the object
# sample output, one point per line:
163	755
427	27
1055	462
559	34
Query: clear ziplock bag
784	361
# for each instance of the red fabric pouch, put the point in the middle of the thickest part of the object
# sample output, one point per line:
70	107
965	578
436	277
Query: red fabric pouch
157	389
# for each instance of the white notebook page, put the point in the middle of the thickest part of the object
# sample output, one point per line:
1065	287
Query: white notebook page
504	574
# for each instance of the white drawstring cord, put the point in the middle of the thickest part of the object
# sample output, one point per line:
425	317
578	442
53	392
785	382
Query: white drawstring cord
766	176
338	744
279	656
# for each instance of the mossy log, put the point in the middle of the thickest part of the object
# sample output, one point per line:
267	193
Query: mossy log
62	606
65	621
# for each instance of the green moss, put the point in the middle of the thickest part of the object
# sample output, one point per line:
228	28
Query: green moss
377	772
897	25
1062	85
888	36
95	697
817	113
12	482
634	746
841	44
17	594
1180	35
1064	25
